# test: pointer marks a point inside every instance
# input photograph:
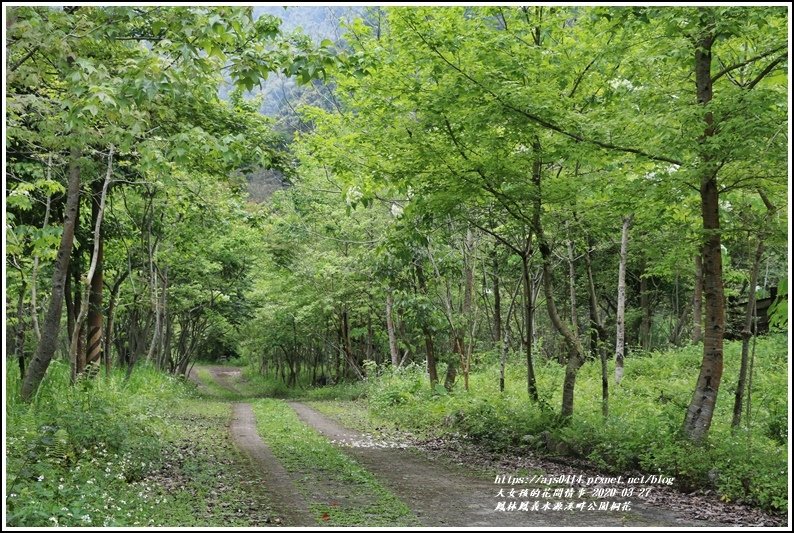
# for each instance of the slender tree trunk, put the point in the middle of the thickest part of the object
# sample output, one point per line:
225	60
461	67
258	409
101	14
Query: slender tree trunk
620	337
598	334
52	322
468	292
572	287
111	314
697	300
747	332
395	355
34	308
67	294
532	387
77	359
95	318
575	351
19	344
497	298
92	269
647	312
704	398
155	297
506	337
428	335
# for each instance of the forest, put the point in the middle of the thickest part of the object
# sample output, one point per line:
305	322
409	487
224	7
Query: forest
557	233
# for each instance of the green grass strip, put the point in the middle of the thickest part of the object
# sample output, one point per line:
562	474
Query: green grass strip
340	492
215	390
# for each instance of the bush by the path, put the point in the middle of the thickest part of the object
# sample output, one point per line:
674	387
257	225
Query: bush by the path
642	430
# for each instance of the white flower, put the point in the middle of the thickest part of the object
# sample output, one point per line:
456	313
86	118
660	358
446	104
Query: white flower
60	487
85	518
54	520
41	478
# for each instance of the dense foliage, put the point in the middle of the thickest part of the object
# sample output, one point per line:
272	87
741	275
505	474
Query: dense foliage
499	199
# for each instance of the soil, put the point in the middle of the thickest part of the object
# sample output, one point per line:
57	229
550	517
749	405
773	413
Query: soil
452	491
276	481
445	495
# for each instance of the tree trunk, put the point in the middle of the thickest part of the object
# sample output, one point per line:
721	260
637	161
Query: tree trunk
468	293
74	351
598	334
19	340
114	294
428	335
704	398
620	337
747	332
506	338
647	312
572	287
52	322
77	359
67	294
395	355
697	300
497	298
34	308
532	387
575	351
95	318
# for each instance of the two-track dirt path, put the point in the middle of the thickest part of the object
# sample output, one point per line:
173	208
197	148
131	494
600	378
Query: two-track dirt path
442	495
439	494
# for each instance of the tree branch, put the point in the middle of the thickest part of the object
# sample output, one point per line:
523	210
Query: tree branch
769	68
23	59
747	62
538	120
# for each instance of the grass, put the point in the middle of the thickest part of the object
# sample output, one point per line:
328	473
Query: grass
642	431
254	384
339	491
215	390
110	452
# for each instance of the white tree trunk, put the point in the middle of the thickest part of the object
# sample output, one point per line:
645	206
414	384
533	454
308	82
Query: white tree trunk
620	337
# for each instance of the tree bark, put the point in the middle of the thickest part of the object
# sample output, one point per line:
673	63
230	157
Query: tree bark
747	332
529	319
697	300
506	338
395	355
111	313
34	308
497	297
704	398
95	318
52	322
74	350
598	334
647	312
467	309
620	337
67	295
19	340
575	353
572	287
428	334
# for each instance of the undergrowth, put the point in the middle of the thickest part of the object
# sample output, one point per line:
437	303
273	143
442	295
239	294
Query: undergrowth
642	431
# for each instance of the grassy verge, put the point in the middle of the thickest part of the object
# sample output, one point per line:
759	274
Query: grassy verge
213	388
110	452
254	384
640	434
339	491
